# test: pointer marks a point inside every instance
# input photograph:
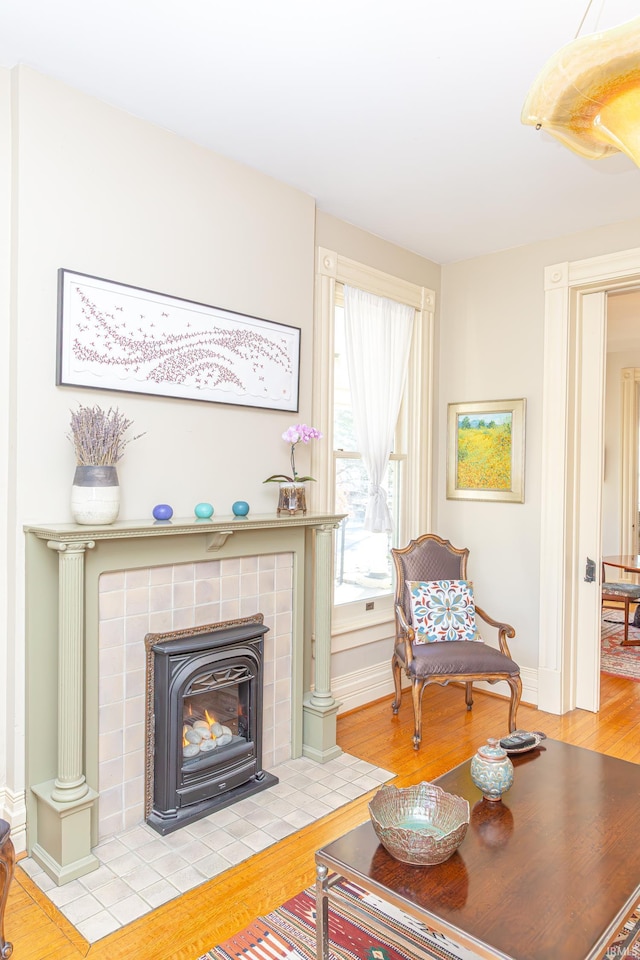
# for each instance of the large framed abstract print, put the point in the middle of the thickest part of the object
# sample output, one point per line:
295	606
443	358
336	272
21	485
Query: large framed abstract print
112	336
485	450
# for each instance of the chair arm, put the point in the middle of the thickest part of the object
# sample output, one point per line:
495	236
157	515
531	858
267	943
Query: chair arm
405	632
504	630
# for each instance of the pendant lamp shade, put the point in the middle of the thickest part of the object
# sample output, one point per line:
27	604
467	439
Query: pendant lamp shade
588	94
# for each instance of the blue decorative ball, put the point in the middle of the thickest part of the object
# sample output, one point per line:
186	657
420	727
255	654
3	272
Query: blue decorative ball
203	511
162	511
240	508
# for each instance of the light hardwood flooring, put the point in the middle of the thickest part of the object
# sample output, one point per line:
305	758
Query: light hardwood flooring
186	927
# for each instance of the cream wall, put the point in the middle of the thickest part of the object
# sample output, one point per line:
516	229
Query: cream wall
103	193
491	347
100	192
349	241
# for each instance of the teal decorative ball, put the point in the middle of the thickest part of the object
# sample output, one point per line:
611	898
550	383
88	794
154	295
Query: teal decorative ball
240	508
203	511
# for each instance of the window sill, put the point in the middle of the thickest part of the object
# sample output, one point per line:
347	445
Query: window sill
372	619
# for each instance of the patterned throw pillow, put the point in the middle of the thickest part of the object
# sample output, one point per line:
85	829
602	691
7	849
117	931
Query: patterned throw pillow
442	610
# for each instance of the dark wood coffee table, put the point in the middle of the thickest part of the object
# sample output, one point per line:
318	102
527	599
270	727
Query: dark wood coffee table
548	873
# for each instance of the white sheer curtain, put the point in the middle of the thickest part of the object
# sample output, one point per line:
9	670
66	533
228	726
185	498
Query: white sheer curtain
378	338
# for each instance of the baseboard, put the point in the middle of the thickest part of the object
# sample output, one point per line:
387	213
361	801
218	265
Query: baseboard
364	686
550	690
13	809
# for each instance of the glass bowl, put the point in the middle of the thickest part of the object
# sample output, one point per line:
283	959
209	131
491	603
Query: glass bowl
421	824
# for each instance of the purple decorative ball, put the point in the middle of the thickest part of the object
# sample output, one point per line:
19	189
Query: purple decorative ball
162	511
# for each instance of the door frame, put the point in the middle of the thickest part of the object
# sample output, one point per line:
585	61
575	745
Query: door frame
571	347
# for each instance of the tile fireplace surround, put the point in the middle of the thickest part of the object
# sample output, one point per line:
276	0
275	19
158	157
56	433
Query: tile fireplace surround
81	584
165	600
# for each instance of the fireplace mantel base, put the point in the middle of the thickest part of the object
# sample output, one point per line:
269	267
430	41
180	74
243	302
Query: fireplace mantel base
319	732
64	564
64	830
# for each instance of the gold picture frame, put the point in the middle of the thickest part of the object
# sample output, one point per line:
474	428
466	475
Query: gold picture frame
485	450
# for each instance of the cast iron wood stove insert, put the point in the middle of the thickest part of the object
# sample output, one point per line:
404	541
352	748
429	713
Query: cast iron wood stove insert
204	721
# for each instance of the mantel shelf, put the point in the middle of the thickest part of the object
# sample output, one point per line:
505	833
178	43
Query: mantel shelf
218	527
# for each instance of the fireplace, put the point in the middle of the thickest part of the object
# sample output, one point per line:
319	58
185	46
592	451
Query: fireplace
204	721
85	772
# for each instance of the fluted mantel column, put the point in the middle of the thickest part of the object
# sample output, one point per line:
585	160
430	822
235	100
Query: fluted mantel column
320	707
70	783
322	696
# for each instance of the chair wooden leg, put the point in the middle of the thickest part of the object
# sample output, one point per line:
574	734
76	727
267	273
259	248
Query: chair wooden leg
627	614
626	620
417	689
7	863
396	670
468	694
515	684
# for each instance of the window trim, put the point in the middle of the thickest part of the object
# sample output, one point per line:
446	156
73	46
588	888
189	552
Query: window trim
332	268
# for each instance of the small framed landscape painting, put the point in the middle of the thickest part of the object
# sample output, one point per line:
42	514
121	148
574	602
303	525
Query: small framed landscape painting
485	455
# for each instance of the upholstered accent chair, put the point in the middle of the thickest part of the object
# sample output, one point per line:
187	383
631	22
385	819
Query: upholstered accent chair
617	593
434	657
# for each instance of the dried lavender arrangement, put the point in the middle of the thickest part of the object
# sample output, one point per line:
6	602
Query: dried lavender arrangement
98	437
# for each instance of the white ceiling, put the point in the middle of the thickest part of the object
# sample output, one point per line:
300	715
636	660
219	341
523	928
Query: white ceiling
399	116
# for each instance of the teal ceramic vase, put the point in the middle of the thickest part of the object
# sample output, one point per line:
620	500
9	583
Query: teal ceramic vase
492	770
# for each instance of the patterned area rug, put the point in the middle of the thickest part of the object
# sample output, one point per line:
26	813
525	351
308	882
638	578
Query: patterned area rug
615	659
382	932
627	943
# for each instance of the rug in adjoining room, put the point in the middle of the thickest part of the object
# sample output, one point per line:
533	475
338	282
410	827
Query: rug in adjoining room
385	933
614	658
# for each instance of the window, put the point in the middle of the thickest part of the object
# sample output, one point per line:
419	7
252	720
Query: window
362	568
363	584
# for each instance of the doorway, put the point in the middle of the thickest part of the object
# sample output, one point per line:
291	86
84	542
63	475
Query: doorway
572	471
622	421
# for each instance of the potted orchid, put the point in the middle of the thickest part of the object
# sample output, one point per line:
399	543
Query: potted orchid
292	492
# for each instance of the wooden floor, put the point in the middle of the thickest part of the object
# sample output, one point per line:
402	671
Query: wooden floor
185	928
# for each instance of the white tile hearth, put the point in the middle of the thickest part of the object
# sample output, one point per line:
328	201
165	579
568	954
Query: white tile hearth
140	870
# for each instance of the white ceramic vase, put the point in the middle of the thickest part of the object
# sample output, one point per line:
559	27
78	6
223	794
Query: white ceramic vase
95	495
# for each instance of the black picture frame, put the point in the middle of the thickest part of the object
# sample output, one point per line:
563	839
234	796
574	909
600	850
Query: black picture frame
114	336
